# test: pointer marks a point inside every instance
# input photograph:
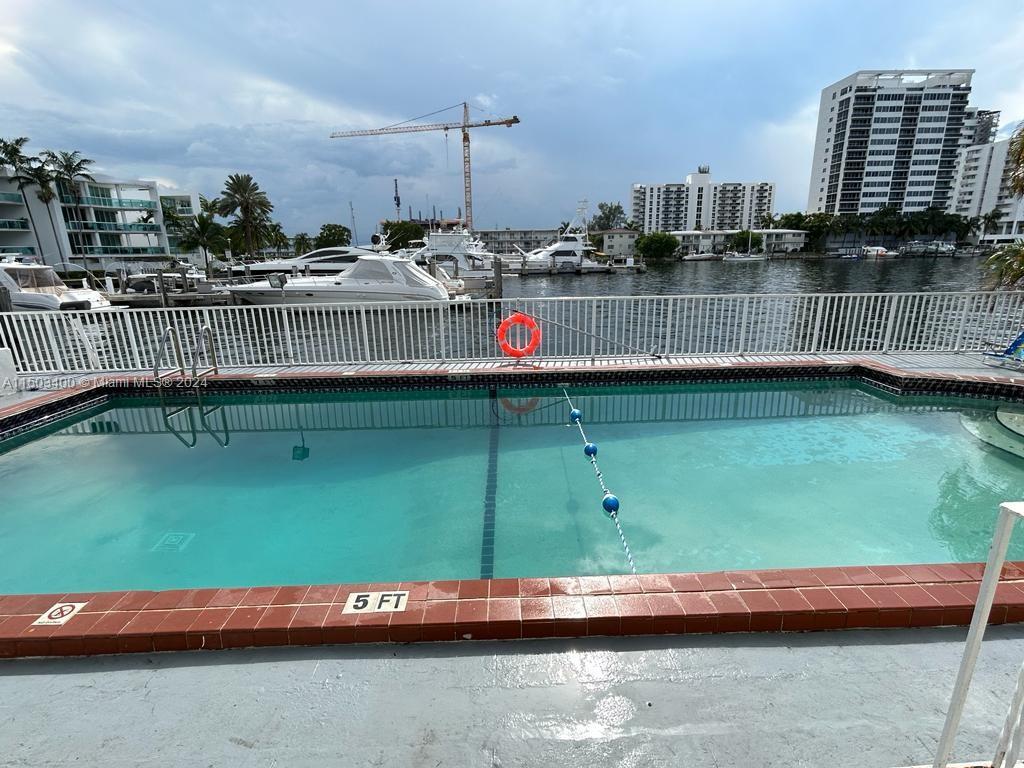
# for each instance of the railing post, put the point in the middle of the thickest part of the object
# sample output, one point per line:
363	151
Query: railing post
670	306
957	345
366	334
1008	514
890	322
593	331
820	301
743	326
286	330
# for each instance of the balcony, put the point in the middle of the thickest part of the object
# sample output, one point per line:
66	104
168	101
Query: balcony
21	224
11	197
119	250
23	250
109	202
111	226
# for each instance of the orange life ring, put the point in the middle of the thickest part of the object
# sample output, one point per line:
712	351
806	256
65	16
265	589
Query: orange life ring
518	318
526	407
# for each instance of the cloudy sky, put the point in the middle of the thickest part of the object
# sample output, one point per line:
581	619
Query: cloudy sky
608	92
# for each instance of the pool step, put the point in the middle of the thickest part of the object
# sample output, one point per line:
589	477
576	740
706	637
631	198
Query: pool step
1012	419
989	428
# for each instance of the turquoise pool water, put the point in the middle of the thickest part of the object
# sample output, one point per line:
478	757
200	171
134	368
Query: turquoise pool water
401	486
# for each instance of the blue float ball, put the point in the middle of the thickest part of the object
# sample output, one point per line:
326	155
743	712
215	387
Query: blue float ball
610	502
590	449
575	415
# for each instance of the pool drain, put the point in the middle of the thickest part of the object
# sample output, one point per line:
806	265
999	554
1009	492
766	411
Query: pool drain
609	501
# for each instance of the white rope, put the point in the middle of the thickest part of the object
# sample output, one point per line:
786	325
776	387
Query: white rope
614	515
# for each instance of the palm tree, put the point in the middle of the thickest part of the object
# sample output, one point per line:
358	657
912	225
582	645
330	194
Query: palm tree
276	237
990	221
1015	161
1007	265
68	168
12	154
243	198
42	180
202	232
209	206
303	243
767	221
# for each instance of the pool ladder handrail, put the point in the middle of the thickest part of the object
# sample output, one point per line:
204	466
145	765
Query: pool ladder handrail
209	348
179	357
205	335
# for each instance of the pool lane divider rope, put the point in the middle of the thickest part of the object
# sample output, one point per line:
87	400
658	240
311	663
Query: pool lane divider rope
609	501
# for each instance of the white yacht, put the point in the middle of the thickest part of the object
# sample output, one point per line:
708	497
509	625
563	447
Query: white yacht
702	257
462	261
36	287
571	252
322	261
372	278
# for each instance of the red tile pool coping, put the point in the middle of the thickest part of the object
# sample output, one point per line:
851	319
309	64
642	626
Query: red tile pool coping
503	609
783	600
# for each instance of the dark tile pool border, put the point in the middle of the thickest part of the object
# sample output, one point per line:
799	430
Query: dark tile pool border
35	413
787	600
493	609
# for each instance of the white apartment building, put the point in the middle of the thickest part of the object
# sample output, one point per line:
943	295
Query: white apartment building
982	186
106	224
618	242
699	203
717	240
505	241
889	138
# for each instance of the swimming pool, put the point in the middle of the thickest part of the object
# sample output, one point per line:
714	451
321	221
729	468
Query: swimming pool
148	493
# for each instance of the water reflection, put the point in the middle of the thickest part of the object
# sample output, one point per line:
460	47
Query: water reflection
788	276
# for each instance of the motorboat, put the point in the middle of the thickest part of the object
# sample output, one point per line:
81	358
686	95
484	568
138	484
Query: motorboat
322	261
372	278
744	257
702	257
460	260
874	252
36	287
572	252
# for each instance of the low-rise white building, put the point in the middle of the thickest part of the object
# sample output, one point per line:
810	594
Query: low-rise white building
506	241
699	203
618	242
105	224
717	240
981	185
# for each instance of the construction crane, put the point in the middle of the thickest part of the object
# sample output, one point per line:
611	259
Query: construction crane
465	125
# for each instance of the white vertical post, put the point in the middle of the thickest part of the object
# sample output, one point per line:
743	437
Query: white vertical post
1009	511
1012	725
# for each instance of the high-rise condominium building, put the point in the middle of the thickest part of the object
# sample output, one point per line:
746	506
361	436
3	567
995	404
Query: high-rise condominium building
699	203
982	186
889	138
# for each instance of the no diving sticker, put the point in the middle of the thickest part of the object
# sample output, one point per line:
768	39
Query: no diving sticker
376	602
59	614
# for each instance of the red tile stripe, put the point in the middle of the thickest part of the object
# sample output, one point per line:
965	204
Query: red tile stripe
784	600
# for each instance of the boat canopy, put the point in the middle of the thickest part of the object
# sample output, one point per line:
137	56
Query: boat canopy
35	277
383	269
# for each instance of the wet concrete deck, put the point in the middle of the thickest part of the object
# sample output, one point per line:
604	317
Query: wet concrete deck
857	698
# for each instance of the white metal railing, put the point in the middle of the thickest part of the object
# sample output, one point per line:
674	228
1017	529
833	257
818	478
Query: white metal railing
585	328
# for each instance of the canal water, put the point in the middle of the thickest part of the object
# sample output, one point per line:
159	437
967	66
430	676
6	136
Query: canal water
783	276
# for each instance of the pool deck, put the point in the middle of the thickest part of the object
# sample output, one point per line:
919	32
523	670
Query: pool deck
856	699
